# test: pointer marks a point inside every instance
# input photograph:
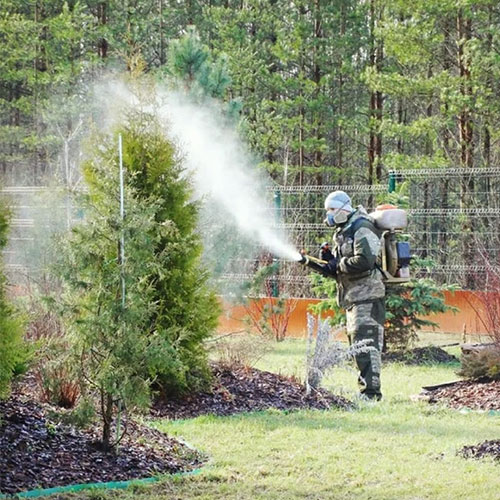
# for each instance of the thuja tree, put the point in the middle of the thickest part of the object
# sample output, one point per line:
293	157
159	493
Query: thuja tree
12	350
156	333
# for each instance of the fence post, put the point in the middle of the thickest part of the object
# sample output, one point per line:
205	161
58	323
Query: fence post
276	265
392	182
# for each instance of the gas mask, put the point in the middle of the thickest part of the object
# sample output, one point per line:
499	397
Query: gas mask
336	217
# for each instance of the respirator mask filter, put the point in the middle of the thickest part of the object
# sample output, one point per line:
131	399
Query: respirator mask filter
336	217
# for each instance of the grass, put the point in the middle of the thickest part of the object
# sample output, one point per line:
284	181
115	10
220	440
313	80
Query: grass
395	449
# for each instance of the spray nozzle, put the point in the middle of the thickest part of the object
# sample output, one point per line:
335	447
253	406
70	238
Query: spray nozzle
303	258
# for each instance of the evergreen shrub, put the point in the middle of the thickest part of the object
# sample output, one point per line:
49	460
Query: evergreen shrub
13	353
169	310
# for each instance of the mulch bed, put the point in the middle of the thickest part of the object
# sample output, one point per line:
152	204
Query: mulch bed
36	452
241	389
474	394
486	449
420	356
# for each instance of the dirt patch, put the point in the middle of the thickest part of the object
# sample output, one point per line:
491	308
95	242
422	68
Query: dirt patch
36	452
477	395
240	389
420	356
486	449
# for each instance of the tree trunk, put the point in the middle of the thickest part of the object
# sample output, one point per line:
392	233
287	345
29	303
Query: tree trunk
340	132
376	105
318	35
466	143
102	45
107	418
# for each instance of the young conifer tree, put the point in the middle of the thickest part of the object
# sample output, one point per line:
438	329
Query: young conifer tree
12	350
157	334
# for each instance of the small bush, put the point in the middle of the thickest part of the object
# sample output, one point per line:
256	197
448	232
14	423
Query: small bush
407	304
268	315
54	370
327	352
13	354
326	289
481	363
56	376
240	349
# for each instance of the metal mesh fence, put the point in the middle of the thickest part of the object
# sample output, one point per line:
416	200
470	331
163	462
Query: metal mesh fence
454	220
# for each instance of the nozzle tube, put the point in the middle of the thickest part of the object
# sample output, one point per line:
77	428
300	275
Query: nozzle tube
317	265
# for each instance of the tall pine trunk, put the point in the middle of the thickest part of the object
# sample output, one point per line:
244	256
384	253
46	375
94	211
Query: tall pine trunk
466	142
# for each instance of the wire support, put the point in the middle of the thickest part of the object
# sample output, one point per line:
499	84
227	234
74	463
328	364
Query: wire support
367	188
454	211
249	277
302	226
446	172
23	189
461	268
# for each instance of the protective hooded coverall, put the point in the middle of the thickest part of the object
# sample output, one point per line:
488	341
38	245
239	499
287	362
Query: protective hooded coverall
361	292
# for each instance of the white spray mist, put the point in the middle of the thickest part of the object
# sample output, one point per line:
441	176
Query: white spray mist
223	170
221	167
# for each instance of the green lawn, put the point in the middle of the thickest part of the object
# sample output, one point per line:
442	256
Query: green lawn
396	449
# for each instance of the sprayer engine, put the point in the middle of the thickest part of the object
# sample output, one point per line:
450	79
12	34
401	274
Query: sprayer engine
394	258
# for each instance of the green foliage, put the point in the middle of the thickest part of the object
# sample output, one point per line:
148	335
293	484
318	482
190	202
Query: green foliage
326	289
169	310
13	352
481	363
399	197
193	65
406	304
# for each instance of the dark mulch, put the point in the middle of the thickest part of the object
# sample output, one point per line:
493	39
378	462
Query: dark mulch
420	356
486	449
36	452
241	389
475	394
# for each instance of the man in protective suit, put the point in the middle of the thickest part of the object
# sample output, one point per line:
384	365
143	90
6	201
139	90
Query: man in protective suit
360	286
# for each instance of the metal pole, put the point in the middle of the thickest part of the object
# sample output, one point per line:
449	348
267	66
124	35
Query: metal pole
276	265
122	217
392	182
122	268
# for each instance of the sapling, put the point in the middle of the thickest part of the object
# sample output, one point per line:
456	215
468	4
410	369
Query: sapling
327	352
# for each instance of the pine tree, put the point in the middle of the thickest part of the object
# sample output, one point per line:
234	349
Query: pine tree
195	68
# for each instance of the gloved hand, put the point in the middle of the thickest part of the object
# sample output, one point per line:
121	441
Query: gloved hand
331	267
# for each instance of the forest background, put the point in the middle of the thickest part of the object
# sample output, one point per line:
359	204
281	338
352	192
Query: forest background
328	92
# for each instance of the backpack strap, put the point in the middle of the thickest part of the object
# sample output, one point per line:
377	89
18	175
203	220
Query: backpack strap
354	226
350	233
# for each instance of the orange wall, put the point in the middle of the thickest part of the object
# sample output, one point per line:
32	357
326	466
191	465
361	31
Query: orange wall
467	317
